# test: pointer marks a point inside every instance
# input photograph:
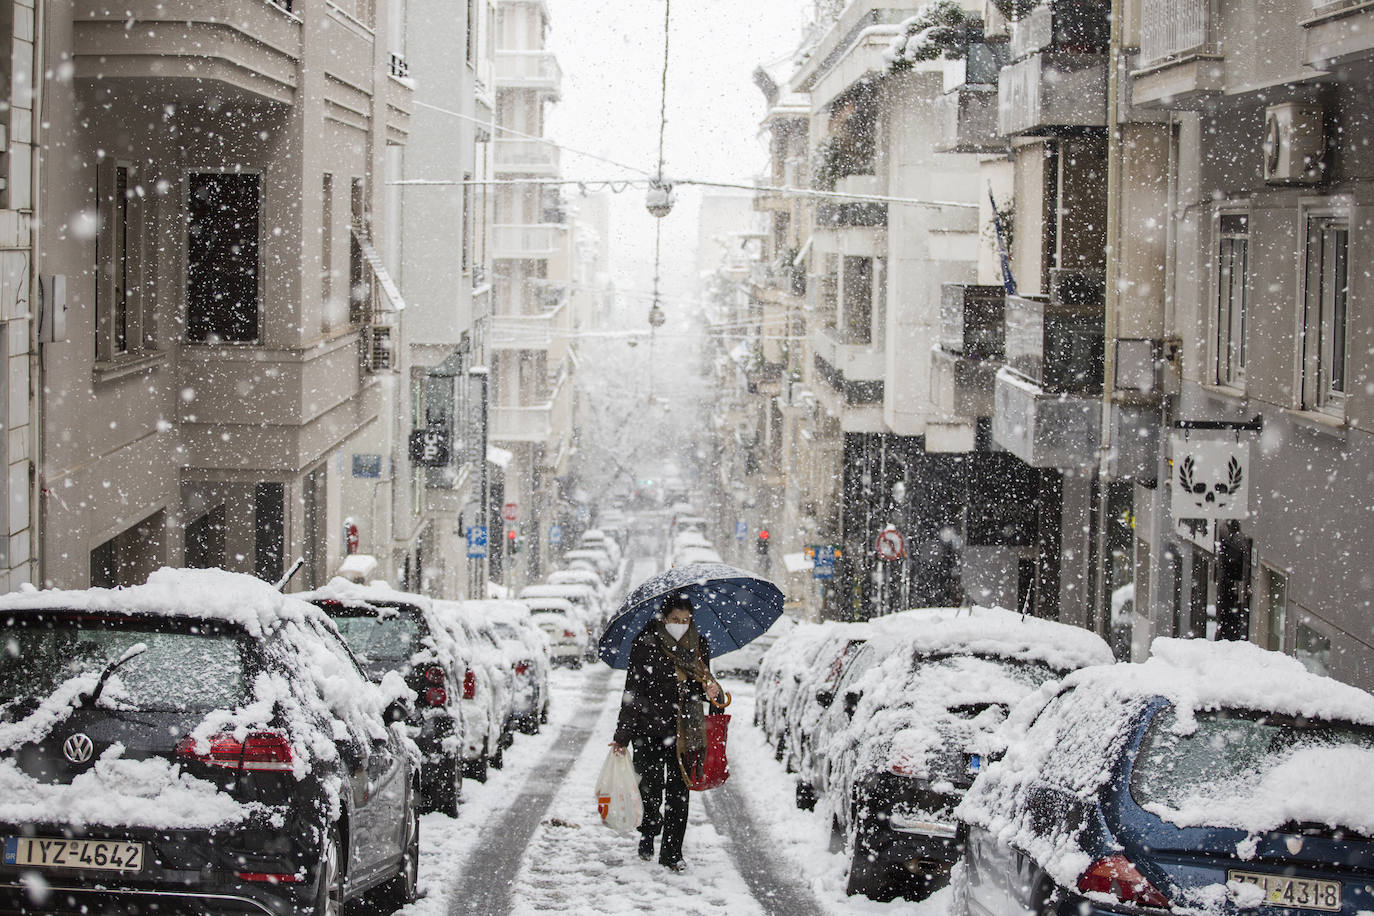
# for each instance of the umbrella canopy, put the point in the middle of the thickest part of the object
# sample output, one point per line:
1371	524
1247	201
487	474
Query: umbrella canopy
729	606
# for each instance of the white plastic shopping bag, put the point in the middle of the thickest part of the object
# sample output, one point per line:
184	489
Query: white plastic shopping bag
617	793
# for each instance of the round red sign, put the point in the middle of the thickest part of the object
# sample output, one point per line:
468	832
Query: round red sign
891	544
510	511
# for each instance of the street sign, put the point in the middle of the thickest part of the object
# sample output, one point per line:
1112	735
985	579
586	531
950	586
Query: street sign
741	530
823	560
891	544
555	534
477	542
511	512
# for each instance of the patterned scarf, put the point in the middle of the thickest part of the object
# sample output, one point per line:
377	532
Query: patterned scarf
691	670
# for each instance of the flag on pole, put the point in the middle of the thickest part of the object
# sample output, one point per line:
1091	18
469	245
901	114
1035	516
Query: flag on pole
1008	281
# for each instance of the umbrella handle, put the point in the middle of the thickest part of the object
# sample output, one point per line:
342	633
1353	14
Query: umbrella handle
719	705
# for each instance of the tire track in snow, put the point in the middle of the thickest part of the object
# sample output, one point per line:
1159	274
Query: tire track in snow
488	876
778	894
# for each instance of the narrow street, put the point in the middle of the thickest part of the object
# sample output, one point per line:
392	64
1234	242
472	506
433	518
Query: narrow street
529	840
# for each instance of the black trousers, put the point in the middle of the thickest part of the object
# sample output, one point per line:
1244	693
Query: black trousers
664	794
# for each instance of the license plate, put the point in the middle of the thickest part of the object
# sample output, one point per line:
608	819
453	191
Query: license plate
975	763
1287	891
101	855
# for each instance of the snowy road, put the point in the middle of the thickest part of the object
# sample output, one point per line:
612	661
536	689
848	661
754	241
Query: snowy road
530	841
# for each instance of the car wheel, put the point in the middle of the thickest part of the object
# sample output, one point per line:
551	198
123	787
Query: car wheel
806	796
444	788
498	760
576	663
329	882
529	725
400	888
477	769
867	876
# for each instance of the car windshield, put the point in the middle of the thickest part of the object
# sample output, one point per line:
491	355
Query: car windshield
972	682
391	637
182	670
1256	772
506	631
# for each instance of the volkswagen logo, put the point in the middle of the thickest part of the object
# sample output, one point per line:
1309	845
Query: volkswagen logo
78	748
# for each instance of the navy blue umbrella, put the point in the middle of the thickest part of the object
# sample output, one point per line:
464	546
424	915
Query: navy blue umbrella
729	606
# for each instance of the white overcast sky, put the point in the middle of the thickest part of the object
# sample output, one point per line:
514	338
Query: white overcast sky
611	52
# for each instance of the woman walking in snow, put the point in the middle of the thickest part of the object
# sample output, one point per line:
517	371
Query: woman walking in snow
661	716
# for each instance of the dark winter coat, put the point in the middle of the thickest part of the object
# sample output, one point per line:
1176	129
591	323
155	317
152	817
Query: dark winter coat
654	695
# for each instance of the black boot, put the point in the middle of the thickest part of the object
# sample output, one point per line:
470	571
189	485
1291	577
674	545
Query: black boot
646	848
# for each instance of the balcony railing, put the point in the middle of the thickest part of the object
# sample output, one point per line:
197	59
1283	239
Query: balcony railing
1051	90
526	157
538	240
528	70
856	361
534	423
1172	28
525	332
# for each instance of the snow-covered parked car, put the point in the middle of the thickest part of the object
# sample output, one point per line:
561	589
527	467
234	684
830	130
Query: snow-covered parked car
594	559
1215	777
526	649
745	661
397	631
488	694
199	743
923	722
584	600
595	538
781	672
568	632
816	688
589	578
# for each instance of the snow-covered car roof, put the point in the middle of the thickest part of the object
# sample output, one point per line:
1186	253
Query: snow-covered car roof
577	590
996	631
577	576
696	555
550	603
588	553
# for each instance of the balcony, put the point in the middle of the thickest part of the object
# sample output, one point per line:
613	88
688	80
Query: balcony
249	47
1045	429
854	360
966	121
526	332
972	320
1052	92
1178	64
537	423
534	241
1338	31
537	70
526	157
1055	345
960	386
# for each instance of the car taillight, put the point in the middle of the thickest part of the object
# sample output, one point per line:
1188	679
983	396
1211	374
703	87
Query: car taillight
260	751
434	674
1116	875
436	696
907	768
470	685
569	634
270	877
522	668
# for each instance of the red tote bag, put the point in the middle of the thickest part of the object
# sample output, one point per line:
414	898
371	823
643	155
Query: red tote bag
713	768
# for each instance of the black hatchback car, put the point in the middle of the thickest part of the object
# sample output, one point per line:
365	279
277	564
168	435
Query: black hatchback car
200	743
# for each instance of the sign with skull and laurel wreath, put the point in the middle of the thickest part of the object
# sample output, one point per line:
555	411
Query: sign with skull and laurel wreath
1211	479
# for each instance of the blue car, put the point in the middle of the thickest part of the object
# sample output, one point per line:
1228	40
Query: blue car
1214	777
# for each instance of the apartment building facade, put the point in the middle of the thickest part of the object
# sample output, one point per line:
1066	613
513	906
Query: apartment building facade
215	190
533	250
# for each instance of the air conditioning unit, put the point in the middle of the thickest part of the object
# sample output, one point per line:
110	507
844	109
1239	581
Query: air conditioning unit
1294	143
379	355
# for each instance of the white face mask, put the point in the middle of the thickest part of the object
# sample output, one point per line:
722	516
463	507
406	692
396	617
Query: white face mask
676	630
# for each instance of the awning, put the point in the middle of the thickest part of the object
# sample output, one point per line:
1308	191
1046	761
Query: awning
374	261
796	562
805	250
499	456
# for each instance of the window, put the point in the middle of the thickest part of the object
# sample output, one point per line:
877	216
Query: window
119	251
1312	647
1326	291
1274	593
471	50
327	241
1233	280
222	257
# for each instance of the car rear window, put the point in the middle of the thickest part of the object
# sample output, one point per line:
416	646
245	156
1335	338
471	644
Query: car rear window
1247	770
389	636
183	670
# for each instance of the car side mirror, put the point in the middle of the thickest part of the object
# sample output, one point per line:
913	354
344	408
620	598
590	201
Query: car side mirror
851	702
825	698
396	712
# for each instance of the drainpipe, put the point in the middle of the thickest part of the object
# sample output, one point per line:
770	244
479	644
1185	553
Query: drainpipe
1100	612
